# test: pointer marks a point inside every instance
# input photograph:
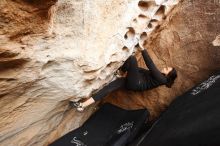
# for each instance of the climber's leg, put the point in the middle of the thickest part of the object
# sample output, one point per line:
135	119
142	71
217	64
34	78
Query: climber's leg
81	105
88	102
130	82
116	84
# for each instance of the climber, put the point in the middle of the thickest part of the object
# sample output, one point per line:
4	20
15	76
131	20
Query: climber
136	79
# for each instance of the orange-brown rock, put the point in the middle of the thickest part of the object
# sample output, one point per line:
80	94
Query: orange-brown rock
52	51
184	41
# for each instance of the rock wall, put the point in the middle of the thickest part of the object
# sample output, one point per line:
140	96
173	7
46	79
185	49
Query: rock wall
53	51
189	41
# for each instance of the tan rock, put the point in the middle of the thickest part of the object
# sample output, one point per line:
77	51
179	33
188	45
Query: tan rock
53	51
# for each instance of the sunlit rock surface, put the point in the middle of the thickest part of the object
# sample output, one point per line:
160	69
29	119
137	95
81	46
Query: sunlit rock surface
53	51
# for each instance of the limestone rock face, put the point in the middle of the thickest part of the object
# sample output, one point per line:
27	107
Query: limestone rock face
53	51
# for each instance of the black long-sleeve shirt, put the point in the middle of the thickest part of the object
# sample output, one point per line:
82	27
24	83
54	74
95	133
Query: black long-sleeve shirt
138	79
152	77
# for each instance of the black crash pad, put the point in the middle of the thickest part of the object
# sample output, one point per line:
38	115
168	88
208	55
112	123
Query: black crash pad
193	119
110	126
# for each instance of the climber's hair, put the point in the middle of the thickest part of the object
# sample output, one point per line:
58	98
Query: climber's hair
171	76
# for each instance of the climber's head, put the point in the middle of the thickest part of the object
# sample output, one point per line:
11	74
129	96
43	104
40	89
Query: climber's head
171	75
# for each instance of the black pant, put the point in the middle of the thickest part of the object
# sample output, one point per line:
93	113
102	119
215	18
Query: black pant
130	82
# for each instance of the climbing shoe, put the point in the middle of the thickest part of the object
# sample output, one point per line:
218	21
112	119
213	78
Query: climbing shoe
77	105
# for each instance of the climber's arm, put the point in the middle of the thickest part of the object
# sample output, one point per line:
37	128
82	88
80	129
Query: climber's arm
151	66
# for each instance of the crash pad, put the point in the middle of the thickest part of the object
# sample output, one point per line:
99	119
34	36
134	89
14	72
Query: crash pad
192	119
110	125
